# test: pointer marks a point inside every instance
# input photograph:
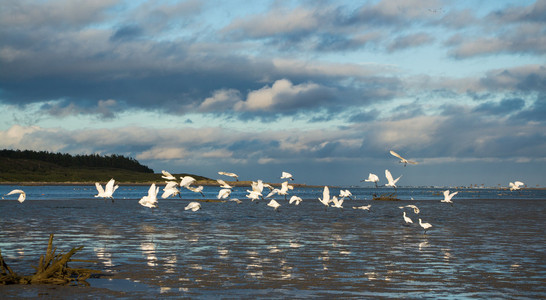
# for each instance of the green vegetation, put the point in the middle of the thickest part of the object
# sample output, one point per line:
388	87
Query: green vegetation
46	167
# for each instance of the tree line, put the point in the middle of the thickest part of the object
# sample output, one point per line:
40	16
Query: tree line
88	160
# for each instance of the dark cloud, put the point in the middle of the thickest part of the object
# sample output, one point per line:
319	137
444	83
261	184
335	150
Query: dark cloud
365	116
127	32
535	113
502	108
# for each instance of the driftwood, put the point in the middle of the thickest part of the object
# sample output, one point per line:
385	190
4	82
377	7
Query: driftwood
52	269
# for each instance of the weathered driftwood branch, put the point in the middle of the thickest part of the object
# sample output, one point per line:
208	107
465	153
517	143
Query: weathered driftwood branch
52	269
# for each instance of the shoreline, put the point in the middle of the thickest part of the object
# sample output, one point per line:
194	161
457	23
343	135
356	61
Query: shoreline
145	183
232	183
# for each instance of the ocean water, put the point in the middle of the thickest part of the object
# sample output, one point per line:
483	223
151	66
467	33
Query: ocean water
489	244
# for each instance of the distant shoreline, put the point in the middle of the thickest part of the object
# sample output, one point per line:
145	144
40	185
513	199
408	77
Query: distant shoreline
160	183
214	183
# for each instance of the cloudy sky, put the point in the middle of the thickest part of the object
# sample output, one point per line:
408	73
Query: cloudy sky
322	89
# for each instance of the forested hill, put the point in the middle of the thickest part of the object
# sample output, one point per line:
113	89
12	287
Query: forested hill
67	160
43	166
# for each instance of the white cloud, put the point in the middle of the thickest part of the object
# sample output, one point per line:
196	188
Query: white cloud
281	94
221	100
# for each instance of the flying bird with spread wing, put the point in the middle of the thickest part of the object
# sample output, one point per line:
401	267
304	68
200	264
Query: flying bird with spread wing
403	160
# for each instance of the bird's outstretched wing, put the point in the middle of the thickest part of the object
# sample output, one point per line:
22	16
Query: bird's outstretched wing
388	175
397	155
99	189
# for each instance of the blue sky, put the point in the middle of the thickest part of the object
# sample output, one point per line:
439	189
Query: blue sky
321	89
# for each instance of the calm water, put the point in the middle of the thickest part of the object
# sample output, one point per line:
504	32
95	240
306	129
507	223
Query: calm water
479	248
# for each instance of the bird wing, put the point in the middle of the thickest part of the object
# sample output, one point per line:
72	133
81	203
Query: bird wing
151	190
168	192
99	189
167	175
388	175
397	155
186	181
109	188
284	187
326	194
294	198
15	192
412	162
518	183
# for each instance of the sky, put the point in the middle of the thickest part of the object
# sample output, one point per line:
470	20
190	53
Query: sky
320	89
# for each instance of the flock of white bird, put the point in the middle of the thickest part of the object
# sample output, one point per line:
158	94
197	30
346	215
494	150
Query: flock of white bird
256	192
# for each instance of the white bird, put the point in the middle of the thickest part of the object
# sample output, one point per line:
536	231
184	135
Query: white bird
403	160
283	191
345	194
372	178
363	207
258	186
150	200
257	189
22	195
338	203
108	190
392	182
198	189
415	208
269	186
186	181
516	185
171	189
273	204
325	197
254	195
167	176
223	193
425	225
407	219
170	192
286	175
223	184
194	206
448	196
295	199
230	175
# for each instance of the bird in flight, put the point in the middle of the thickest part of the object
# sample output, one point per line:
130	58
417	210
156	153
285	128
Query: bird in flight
193	206
286	175
22	195
448	196
167	176
108	190
392	182
230	175
516	185
403	160
372	178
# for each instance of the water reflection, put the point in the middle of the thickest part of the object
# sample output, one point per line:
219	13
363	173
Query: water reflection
148	250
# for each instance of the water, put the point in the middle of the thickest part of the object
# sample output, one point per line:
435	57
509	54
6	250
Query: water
479	248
